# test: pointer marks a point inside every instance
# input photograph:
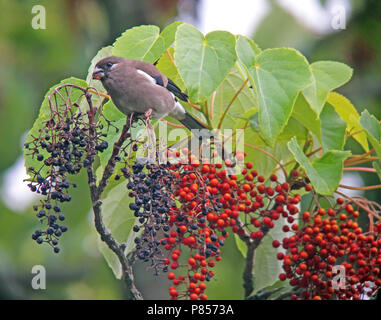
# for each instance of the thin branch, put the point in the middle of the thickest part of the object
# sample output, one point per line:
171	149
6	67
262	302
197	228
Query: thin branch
212	105
271	156
359	204
358	157
109	170
247	276
369	159
99	93
173	124
378	186
360	169
96	193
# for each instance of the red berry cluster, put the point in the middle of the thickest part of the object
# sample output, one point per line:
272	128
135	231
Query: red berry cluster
197	229
212	199
330	238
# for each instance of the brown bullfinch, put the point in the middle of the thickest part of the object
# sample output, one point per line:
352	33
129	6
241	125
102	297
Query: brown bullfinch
139	87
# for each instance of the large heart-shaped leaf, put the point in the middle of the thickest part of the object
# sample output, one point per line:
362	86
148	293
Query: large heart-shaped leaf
278	75
145	43
325	172
327	76
234	92
246	50
203	62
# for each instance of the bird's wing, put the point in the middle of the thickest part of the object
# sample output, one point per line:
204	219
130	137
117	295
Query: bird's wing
160	79
150	71
172	87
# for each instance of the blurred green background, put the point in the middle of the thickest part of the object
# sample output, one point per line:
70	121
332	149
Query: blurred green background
31	61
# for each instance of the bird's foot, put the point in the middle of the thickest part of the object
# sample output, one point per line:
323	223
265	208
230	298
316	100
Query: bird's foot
148	115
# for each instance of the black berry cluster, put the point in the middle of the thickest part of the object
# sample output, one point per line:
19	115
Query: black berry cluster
151	187
64	145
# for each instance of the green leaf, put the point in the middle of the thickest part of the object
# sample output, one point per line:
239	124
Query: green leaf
96	84
376	167
118	120
373	130
203	62
272	291
145	43
371	125
325	172
169	33
333	129
278	75
244	101
169	69
120	221
349	114
44	116
327	76
293	129
306	116
261	161
246	50
241	245
267	267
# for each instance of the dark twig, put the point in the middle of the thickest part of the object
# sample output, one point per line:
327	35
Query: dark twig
252	245
96	194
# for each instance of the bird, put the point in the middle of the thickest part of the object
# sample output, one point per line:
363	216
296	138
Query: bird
139	87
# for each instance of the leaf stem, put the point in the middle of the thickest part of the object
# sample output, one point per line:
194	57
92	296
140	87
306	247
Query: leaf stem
270	155
360	169
378	186
231	102
369	159
173	124
212	105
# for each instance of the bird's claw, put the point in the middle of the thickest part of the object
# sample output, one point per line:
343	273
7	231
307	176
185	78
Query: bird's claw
148	114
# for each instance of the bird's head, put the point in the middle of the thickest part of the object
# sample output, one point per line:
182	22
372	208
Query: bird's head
105	67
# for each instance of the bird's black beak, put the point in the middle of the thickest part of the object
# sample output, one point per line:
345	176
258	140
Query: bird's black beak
98	73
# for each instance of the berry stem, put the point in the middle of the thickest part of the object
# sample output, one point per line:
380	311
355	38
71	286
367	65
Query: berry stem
359	204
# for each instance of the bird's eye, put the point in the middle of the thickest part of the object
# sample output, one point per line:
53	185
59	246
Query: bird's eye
109	64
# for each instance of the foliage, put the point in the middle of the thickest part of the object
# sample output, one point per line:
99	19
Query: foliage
286	107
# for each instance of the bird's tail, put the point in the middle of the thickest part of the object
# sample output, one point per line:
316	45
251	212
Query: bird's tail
202	131
193	124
